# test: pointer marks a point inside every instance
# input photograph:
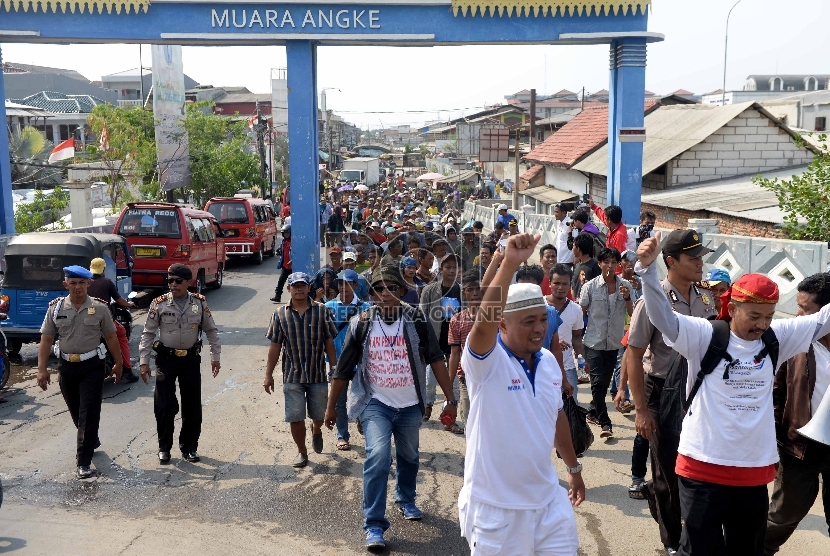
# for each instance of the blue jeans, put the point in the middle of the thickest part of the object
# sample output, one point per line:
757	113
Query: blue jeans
342	420
615	380
380	422
571	375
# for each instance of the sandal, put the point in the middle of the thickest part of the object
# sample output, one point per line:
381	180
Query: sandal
427	412
626	407
343	445
635	491
455	428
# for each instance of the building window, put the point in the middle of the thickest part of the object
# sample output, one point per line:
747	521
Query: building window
776	84
821	124
811	84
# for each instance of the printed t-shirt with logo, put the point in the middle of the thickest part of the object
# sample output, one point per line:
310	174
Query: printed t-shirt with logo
450	305
388	369
728	435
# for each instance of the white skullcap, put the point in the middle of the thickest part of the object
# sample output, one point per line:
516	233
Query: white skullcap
523	296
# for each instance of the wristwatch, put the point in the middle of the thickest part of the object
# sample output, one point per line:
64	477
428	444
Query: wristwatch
451	402
574	470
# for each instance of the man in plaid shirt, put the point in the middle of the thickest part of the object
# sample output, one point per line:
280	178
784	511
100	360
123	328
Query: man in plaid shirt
460	325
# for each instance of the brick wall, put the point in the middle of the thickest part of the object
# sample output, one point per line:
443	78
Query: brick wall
750	143
673	218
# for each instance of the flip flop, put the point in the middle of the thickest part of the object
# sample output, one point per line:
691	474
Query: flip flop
455	428
343	445
317	440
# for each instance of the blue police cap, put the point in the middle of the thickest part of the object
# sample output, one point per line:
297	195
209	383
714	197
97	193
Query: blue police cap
77	271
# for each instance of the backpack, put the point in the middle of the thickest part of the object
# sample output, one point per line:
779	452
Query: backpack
673	402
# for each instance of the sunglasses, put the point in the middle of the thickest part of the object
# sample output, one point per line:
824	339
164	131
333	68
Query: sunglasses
176	280
391	288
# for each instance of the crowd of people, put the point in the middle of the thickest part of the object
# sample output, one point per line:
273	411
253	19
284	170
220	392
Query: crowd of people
412	297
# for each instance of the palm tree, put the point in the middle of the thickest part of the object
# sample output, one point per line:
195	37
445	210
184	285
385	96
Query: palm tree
29	152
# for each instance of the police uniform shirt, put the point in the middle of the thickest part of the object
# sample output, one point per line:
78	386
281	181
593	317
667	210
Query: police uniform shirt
644	335
178	328
80	330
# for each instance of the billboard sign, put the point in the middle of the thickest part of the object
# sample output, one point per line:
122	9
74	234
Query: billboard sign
495	144
169	111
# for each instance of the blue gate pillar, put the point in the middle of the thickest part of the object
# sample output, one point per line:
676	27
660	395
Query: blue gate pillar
303	155
6	203
626	101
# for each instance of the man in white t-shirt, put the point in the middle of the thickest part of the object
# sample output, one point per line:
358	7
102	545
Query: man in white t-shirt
727	451
386	354
563	230
570	331
511	503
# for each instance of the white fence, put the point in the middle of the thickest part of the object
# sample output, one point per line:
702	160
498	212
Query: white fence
787	262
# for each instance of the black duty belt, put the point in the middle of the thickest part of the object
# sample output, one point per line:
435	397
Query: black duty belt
162	349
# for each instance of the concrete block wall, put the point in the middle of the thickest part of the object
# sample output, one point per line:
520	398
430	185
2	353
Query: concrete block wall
749	144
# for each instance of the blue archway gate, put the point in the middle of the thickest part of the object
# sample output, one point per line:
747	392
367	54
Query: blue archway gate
303	26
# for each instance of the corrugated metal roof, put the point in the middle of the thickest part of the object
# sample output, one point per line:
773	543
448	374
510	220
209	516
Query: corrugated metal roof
549	195
455	177
735	196
670	131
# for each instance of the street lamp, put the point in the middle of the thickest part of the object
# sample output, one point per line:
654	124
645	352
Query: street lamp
725	46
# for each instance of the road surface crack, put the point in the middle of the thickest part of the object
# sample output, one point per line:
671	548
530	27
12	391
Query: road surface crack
126	548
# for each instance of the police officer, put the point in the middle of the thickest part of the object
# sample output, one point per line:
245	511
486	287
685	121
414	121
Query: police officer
80	320
179	317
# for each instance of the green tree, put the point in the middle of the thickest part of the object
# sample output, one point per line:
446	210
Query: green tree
407	148
222	159
131	148
43	210
805	199
29	152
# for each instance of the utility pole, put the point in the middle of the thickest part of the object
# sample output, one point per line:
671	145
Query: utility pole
583	98
141	76
515	202
260	128
725	46
532	118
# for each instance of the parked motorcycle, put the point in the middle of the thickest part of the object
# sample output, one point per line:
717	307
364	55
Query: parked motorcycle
124	316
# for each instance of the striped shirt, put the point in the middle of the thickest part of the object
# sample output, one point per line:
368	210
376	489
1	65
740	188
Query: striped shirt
303	338
460	326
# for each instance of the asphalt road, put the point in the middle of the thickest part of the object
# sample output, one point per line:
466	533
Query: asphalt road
244	496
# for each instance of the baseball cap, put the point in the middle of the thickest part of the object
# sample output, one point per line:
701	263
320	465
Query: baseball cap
335	249
716	275
390	229
502	207
684	241
387	273
97	265
513	222
296	277
349	256
348	275
449	256
409	261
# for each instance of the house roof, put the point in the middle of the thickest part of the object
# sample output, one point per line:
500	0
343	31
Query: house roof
579	137
235	98
584	134
59	103
682	92
733	196
549	195
14	67
132	72
672	130
561	118
533	172
762	82
14	109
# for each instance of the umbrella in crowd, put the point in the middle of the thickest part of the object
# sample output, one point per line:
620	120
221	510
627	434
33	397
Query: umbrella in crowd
347	187
362	187
431	176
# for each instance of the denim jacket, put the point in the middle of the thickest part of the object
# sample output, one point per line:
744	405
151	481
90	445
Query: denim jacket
421	344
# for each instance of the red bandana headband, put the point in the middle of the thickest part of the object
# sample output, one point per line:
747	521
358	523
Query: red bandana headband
749	288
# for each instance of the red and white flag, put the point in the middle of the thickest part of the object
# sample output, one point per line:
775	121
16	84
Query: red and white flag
105	139
252	121
63	151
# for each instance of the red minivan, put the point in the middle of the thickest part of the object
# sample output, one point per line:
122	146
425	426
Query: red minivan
160	234
249	225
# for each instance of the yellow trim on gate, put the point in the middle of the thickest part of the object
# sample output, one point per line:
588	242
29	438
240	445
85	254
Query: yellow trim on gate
64	6
548	7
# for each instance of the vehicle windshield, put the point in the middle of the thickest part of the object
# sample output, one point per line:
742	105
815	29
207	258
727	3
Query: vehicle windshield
230	213
350	175
150	222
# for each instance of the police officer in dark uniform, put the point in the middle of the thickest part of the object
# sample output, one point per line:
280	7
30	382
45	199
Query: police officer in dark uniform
81	321
179	317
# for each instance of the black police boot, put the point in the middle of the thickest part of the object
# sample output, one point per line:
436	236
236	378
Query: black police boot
277	297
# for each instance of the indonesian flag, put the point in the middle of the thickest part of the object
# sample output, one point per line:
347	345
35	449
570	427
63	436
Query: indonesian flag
63	151
105	139
252	121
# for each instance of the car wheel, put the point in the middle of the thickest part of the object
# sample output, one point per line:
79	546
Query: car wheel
259	256
200	282
273	251
216	284
7	371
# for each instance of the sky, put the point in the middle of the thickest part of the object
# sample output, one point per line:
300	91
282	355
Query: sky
765	37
